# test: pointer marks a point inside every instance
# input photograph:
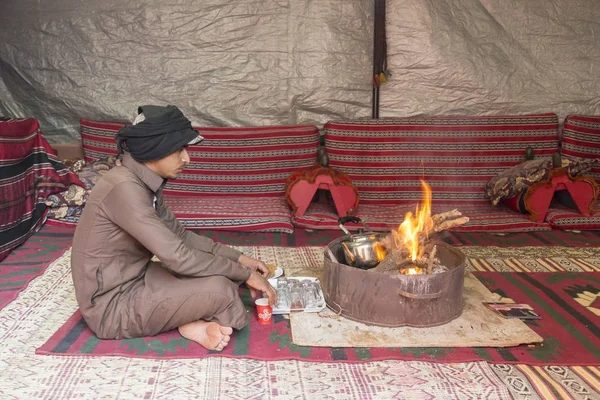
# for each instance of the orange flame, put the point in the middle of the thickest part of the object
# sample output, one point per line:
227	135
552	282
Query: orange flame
413	271
380	252
415	225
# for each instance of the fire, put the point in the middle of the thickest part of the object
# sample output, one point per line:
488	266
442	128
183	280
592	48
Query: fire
412	271
380	252
416	226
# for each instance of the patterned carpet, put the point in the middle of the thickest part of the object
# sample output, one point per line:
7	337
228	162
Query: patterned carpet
565	300
31	259
27	322
30	320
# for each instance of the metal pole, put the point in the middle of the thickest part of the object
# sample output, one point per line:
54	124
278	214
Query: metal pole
375	103
379	51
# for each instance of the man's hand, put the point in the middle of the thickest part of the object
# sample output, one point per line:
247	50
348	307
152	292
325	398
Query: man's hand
254	265
258	282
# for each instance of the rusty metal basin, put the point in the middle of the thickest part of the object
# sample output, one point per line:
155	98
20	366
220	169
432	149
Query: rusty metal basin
395	299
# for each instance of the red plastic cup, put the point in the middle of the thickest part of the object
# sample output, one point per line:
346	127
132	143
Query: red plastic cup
264	311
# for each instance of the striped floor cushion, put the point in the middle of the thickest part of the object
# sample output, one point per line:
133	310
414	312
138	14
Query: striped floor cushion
456	155
483	217
561	217
247	162
232	213
262	214
581	138
265	214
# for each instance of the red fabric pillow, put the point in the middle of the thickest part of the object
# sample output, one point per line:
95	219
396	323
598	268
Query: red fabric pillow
581	138
246	162
301	186
98	138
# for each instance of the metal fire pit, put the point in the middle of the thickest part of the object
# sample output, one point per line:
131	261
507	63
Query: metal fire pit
395	299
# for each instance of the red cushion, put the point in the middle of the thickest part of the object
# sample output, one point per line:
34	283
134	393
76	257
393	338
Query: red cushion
247	162
561	217
579	192
456	155
581	138
483	217
98	138
267	214
233	213
301	187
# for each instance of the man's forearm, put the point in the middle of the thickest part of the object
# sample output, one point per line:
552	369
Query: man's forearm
207	245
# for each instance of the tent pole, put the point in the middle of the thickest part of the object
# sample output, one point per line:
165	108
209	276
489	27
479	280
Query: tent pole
379	52
375	103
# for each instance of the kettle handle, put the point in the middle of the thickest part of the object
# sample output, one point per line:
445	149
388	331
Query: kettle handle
349	218
353	219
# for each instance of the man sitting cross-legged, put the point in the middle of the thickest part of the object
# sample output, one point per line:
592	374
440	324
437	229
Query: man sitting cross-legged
121	292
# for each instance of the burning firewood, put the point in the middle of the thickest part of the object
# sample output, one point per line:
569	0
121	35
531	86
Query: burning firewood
431	259
408	249
436	223
399	261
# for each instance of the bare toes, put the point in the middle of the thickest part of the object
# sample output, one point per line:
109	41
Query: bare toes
226	330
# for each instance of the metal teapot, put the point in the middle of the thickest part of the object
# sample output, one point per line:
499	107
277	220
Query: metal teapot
362	250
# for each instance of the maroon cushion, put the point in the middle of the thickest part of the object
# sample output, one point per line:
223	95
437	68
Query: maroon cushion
562	217
245	161
456	155
482	217
233	213
265	214
581	138
98	138
248	162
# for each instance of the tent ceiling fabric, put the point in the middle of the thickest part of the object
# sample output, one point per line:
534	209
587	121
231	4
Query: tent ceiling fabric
224	63
259	62
476	57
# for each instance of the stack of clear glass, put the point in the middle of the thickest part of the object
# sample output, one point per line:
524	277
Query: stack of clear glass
298	294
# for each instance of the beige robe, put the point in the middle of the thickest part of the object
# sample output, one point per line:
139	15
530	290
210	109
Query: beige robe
120	292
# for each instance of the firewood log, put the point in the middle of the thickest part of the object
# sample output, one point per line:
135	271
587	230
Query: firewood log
431	259
451	224
447	220
391	262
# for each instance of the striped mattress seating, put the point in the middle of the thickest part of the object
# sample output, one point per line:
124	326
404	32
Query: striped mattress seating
580	139
98	138
236	177
456	156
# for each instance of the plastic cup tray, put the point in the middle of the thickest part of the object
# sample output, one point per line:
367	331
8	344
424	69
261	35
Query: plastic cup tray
316	302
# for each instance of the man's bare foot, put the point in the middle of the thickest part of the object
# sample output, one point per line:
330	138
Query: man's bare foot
209	335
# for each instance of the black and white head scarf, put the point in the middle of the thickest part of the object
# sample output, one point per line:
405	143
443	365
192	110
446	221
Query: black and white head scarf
156	132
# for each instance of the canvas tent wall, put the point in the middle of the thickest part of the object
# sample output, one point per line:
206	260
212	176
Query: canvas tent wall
257	62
